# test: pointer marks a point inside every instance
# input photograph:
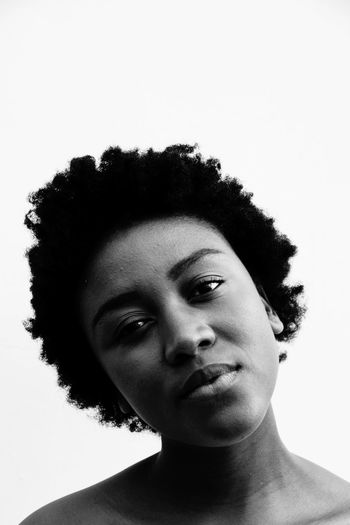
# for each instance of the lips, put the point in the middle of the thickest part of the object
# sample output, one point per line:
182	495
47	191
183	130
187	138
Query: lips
206	375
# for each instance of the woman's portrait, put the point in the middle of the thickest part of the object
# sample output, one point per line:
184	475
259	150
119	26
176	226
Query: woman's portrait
181	259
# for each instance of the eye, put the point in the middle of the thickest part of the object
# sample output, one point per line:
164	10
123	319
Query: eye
206	286
130	329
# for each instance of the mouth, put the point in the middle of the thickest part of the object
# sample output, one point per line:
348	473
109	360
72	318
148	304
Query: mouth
209	380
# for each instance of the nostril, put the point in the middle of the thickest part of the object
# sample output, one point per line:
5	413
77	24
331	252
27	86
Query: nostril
205	342
188	342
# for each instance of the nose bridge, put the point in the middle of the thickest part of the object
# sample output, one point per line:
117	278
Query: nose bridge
185	331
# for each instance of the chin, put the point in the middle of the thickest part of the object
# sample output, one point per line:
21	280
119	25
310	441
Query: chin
225	430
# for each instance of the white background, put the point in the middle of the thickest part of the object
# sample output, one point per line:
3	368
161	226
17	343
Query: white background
263	86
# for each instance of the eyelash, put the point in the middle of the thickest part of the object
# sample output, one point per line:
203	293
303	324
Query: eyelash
123	332
208	281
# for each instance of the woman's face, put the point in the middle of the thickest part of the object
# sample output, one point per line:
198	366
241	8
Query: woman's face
166	298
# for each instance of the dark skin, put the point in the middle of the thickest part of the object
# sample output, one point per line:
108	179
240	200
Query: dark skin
222	460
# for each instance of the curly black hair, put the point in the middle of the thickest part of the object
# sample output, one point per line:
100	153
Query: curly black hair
74	213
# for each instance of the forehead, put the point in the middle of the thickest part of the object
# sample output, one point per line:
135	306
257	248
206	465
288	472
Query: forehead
154	245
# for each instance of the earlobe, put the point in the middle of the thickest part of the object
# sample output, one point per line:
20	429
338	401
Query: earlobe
275	321
276	324
124	405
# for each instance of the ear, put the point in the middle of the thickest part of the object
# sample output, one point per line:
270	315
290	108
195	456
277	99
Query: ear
275	321
124	405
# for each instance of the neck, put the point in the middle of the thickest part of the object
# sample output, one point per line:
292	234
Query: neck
256	467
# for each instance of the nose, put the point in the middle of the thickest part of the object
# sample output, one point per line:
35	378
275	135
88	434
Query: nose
186	332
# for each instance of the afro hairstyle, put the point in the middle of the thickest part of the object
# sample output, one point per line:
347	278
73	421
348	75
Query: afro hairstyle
73	214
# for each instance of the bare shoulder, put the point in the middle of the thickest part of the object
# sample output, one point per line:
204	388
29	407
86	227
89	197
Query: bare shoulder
106	503
330	493
58	511
73	509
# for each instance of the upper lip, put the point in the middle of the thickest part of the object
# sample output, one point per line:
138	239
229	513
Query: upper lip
204	375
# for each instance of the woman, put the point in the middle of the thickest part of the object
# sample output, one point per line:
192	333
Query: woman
158	293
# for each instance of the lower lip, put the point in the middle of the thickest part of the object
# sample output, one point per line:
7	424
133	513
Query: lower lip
221	385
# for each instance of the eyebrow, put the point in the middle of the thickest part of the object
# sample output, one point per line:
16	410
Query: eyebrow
179	267
113	304
174	273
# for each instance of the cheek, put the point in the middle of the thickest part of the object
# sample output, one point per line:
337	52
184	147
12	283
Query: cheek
145	393
243	321
247	326
133	376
